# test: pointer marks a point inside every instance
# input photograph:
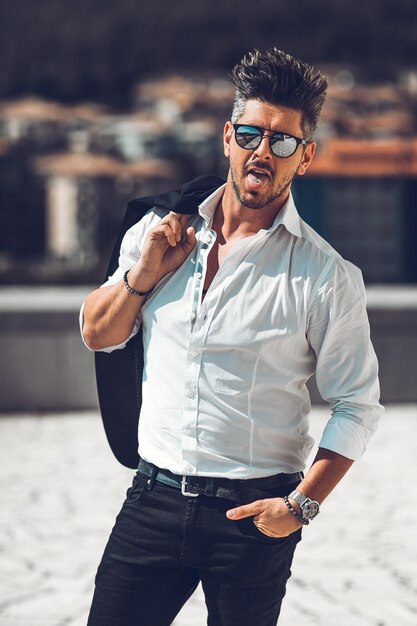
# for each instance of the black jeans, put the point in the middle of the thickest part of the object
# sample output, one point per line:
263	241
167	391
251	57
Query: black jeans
164	543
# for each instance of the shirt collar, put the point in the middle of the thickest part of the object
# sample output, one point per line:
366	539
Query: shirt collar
209	205
288	215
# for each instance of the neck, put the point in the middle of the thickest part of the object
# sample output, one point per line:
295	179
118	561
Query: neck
236	220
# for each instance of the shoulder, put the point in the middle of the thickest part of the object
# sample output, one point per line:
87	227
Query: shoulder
315	242
328	271
324	251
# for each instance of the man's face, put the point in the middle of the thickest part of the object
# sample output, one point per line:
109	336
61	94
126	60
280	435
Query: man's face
259	178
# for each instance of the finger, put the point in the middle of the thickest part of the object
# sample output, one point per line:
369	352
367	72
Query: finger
247	510
172	220
267	530
190	240
166	231
183	218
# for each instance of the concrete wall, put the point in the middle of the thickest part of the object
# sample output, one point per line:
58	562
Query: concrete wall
45	367
44	364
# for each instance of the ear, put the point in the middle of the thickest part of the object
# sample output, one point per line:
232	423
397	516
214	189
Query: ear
227	135
306	159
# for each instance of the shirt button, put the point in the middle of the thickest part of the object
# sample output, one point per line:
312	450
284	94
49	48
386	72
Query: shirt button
198	275
190	393
194	353
193	316
188	468
187	431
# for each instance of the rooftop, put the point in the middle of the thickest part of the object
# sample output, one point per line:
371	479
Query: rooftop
98	165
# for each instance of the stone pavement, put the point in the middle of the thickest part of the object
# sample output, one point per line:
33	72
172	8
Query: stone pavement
61	490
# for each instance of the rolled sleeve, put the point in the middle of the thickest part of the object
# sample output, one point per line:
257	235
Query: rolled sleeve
350	429
347	367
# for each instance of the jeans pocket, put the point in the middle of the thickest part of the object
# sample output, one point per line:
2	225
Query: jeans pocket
247	525
248	528
263	535
135	491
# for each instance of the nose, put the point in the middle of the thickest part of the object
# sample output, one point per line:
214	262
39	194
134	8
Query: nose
264	148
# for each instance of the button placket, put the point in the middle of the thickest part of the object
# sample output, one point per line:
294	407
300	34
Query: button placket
190	404
207	242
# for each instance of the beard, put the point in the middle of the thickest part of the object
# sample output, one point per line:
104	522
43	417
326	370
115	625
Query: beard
253	199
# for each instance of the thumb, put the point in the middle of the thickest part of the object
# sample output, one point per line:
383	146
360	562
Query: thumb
190	240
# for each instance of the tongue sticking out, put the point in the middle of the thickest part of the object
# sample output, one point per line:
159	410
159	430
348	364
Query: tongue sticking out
256	181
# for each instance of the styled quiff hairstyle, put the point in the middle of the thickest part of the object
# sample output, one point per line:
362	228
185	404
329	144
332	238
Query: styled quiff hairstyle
278	78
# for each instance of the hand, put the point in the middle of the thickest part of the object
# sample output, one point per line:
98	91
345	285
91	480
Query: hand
166	246
271	516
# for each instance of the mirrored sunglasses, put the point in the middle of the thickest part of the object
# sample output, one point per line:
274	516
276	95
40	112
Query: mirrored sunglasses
282	145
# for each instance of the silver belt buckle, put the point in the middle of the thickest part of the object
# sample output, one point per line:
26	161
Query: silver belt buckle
184	489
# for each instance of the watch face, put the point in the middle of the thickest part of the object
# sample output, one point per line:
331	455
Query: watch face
310	509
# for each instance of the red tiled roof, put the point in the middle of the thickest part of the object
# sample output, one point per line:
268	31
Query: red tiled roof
353	157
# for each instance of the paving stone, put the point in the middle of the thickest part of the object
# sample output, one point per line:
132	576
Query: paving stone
62	489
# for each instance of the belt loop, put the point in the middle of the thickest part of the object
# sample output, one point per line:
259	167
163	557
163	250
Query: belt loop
151	481
209	490
238	490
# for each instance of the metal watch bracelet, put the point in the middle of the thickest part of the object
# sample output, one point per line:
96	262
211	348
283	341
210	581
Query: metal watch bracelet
296	514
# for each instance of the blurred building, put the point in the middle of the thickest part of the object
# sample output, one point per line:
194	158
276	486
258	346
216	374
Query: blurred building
371	111
67	172
360	192
361	195
176	98
86	194
44	125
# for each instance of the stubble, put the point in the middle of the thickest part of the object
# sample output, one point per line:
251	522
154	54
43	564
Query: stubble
254	200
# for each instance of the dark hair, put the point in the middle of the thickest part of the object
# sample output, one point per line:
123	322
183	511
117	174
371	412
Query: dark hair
278	78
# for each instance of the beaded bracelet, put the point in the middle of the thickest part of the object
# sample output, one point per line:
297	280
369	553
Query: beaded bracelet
295	513
134	291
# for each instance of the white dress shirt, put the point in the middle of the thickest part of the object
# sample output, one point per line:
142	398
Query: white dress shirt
224	382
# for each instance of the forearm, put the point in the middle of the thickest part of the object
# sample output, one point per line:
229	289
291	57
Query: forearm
326	471
110	312
273	517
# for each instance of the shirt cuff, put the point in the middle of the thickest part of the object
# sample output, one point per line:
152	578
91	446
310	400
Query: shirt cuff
347	434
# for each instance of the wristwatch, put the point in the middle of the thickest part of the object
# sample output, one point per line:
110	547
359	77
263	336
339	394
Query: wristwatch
309	508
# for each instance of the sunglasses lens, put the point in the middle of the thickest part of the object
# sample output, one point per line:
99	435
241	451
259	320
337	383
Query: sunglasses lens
283	145
248	137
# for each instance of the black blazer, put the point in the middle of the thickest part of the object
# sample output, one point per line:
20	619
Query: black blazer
119	373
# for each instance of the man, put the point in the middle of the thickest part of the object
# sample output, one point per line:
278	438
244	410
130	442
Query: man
239	306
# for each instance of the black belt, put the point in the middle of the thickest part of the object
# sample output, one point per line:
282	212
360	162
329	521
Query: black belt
210	486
